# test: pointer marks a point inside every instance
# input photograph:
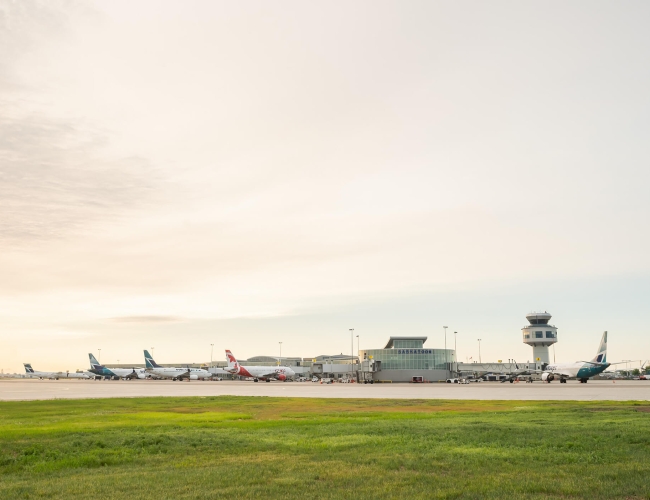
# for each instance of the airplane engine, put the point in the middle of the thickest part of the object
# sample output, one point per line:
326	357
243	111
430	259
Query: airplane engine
194	377
282	377
547	377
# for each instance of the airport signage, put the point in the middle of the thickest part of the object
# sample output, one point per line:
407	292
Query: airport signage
414	351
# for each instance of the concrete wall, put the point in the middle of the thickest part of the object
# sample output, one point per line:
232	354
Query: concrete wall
407	375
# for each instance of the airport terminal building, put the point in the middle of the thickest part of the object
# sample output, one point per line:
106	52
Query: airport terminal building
403	358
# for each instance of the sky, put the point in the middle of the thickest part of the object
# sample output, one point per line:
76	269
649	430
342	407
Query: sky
180	174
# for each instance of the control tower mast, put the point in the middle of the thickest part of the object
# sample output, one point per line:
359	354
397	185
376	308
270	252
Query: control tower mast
540	335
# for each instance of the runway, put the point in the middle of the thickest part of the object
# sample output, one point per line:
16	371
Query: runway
605	390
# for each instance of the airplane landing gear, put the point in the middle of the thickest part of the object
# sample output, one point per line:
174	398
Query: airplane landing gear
267	380
583	380
255	380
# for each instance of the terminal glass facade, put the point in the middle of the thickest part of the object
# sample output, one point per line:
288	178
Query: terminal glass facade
402	358
408	344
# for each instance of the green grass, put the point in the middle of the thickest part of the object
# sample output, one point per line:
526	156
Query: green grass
316	448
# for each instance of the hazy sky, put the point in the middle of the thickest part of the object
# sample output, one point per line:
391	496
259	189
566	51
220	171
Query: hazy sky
176	174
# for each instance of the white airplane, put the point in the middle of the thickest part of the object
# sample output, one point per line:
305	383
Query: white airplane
172	372
52	375
581	370
266	373
100	371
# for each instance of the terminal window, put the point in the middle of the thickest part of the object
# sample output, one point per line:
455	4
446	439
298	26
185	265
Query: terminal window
539	335
408	344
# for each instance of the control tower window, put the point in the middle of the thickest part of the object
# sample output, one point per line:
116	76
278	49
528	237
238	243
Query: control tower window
539	335
549	335
526	336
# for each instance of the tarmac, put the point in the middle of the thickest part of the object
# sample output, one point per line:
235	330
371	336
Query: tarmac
594	390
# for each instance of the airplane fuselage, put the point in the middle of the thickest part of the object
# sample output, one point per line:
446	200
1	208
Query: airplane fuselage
180	373
102	371
577	370
262	372
57	375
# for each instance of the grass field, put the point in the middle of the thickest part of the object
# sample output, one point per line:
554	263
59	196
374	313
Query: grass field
316	448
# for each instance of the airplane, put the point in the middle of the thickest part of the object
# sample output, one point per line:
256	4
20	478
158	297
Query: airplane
581	370
258	373
52	375
172	372
100	371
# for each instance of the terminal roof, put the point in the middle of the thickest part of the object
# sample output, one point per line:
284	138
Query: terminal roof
392	339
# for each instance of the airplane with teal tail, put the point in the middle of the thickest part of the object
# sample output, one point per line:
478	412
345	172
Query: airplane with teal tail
30	372
114	373
581	370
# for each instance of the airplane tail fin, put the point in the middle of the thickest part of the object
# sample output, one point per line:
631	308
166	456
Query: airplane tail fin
148	360
601	356
28	368
93	361
232	361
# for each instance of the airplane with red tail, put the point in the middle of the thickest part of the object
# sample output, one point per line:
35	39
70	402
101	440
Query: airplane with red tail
257	373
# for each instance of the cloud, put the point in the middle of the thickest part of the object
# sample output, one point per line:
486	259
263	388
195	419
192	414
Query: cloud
56	175
24	25
52	181
148	319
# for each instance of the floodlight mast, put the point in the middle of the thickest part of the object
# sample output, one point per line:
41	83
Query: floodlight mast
446	355
351	353
456	354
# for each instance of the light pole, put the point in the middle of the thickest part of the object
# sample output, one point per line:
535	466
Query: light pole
358	346
455	353
446	356
211	351
479	351
351	351
280	353
100	355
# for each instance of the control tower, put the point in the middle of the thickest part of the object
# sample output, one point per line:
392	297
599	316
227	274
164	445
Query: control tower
540	335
